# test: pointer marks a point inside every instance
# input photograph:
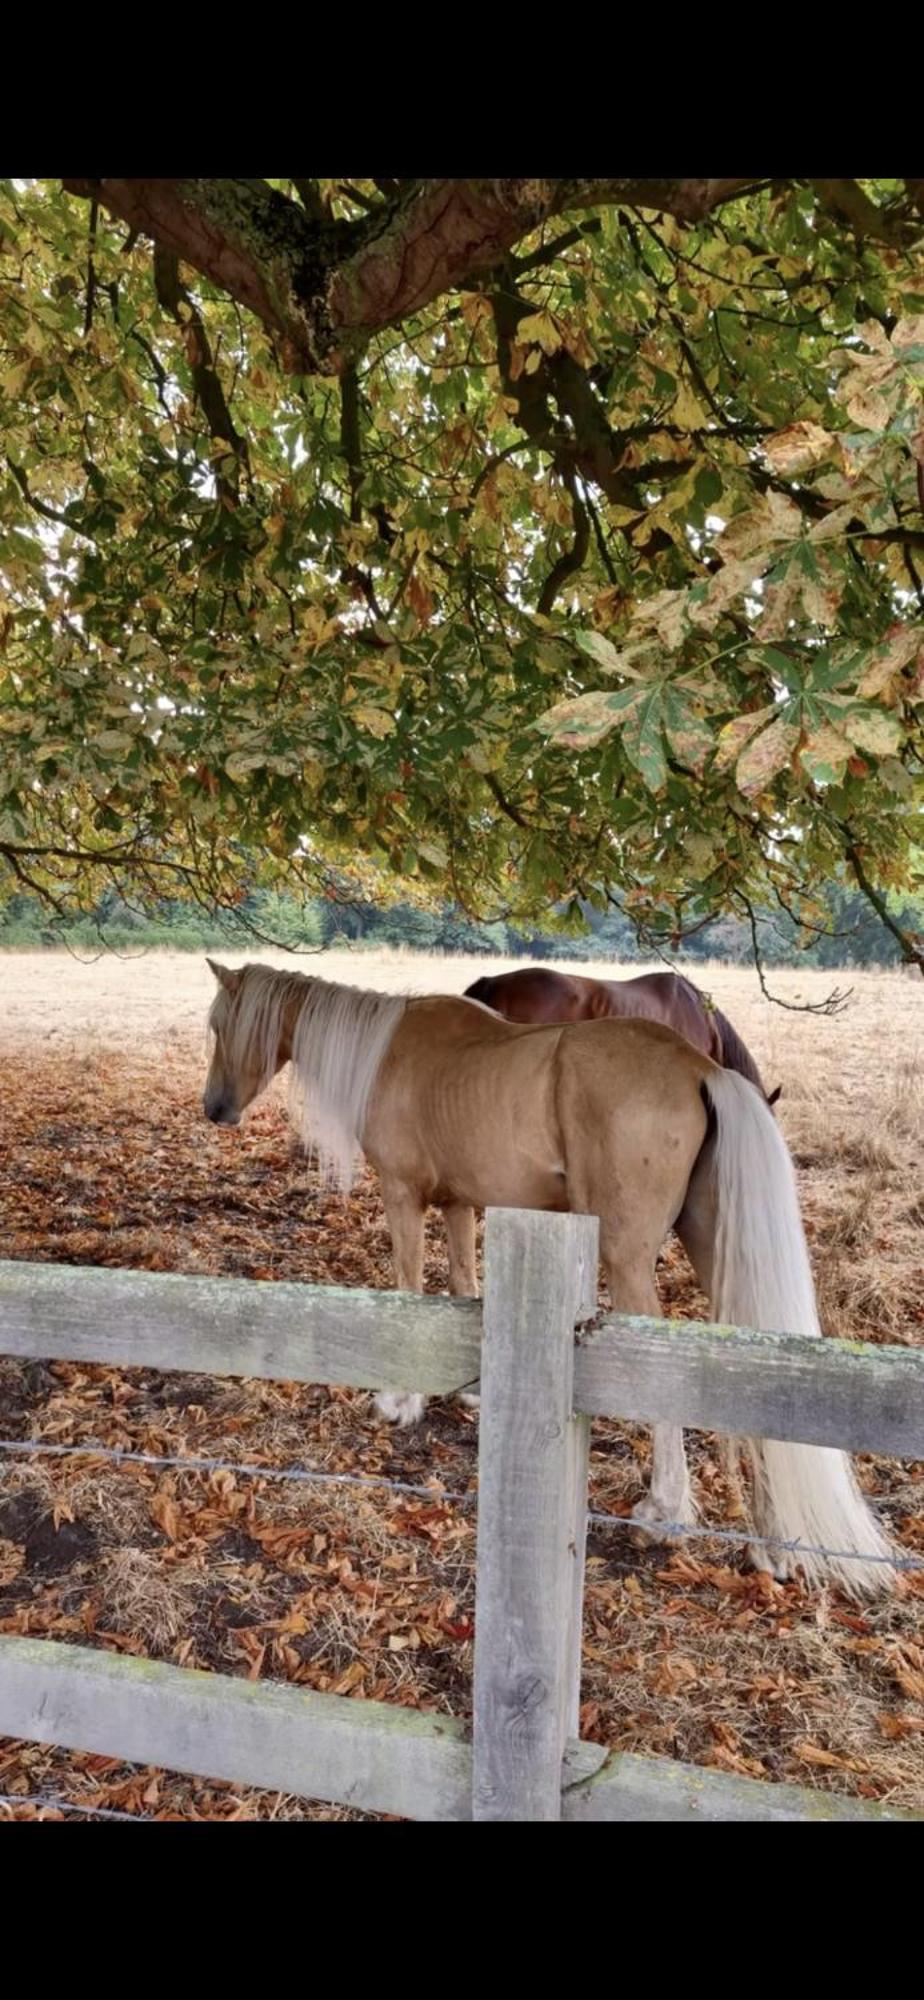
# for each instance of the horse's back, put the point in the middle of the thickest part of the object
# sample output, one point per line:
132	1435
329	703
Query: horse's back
626	1040
533	994
668	998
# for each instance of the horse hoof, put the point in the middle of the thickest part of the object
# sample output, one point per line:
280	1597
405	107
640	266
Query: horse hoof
654	1522
777	1563
400	1406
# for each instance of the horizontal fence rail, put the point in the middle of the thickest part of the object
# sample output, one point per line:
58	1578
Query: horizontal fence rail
848	1393
239	1326
730	1379
549	1367
369	1755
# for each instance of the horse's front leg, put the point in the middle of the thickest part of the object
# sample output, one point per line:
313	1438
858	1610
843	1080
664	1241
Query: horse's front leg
463	1277
405	1215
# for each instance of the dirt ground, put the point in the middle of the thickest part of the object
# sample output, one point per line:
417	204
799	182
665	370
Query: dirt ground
105	1159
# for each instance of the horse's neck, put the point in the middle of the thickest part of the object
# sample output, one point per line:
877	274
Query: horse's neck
292	1005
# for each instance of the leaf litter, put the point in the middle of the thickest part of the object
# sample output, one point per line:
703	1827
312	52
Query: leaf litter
104	1159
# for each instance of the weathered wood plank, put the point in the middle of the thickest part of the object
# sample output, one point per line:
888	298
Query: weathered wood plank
357	1753
367	1754
727	1378
239	1326
846	1393
540	1278
616	1786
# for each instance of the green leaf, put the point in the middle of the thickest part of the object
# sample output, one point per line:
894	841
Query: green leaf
643	741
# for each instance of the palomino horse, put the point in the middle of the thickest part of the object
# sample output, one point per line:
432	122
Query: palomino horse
620	1119
538	994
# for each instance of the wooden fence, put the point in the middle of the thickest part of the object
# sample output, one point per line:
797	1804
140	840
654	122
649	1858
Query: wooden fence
542	1378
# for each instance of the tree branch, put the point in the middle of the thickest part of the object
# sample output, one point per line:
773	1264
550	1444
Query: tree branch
324	285
206	381
833	1003
570	560
512	812
912	953
846	201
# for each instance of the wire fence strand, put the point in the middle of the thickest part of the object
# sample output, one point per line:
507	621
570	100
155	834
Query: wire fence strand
297	1474
51	1804
311	1476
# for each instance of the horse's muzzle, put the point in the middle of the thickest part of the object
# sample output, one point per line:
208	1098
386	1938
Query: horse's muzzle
221	1113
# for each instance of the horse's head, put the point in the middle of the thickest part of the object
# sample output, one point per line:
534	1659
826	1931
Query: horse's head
237	1071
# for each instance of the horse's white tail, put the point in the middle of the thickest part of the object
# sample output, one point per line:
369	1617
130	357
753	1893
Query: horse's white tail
762	1278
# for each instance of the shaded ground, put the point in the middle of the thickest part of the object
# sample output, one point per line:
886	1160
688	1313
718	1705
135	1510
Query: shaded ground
104	1159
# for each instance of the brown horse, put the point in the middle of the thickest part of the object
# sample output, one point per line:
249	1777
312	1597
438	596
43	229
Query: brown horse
539	994
619	1119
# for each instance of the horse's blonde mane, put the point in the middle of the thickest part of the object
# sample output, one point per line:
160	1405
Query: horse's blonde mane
339	1040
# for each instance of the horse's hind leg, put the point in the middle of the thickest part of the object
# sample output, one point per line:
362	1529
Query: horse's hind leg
668	1497
633	1290
463	1278
405	1214
460	1236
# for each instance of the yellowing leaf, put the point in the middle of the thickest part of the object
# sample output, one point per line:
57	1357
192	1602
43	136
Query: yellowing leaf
826	753
688	411
242	761
377	721
798	448
776	519
781	602
734	735
908	332
765	756
833	524
606	656
874	730
821	598
539	329
890	658
668	613
868	409
583	721
728	583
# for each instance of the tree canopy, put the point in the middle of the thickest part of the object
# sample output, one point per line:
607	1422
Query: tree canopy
529	543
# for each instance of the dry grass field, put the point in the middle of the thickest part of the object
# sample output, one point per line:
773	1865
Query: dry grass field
105	1159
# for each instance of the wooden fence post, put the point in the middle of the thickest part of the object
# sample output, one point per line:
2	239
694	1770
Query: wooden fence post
540	1279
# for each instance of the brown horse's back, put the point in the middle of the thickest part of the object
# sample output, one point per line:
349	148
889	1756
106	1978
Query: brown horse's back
670	999
534	995
537	994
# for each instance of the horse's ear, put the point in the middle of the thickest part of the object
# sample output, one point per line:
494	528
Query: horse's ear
224	975
775	1095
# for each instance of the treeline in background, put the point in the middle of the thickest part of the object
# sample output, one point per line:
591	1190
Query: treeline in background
854	935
